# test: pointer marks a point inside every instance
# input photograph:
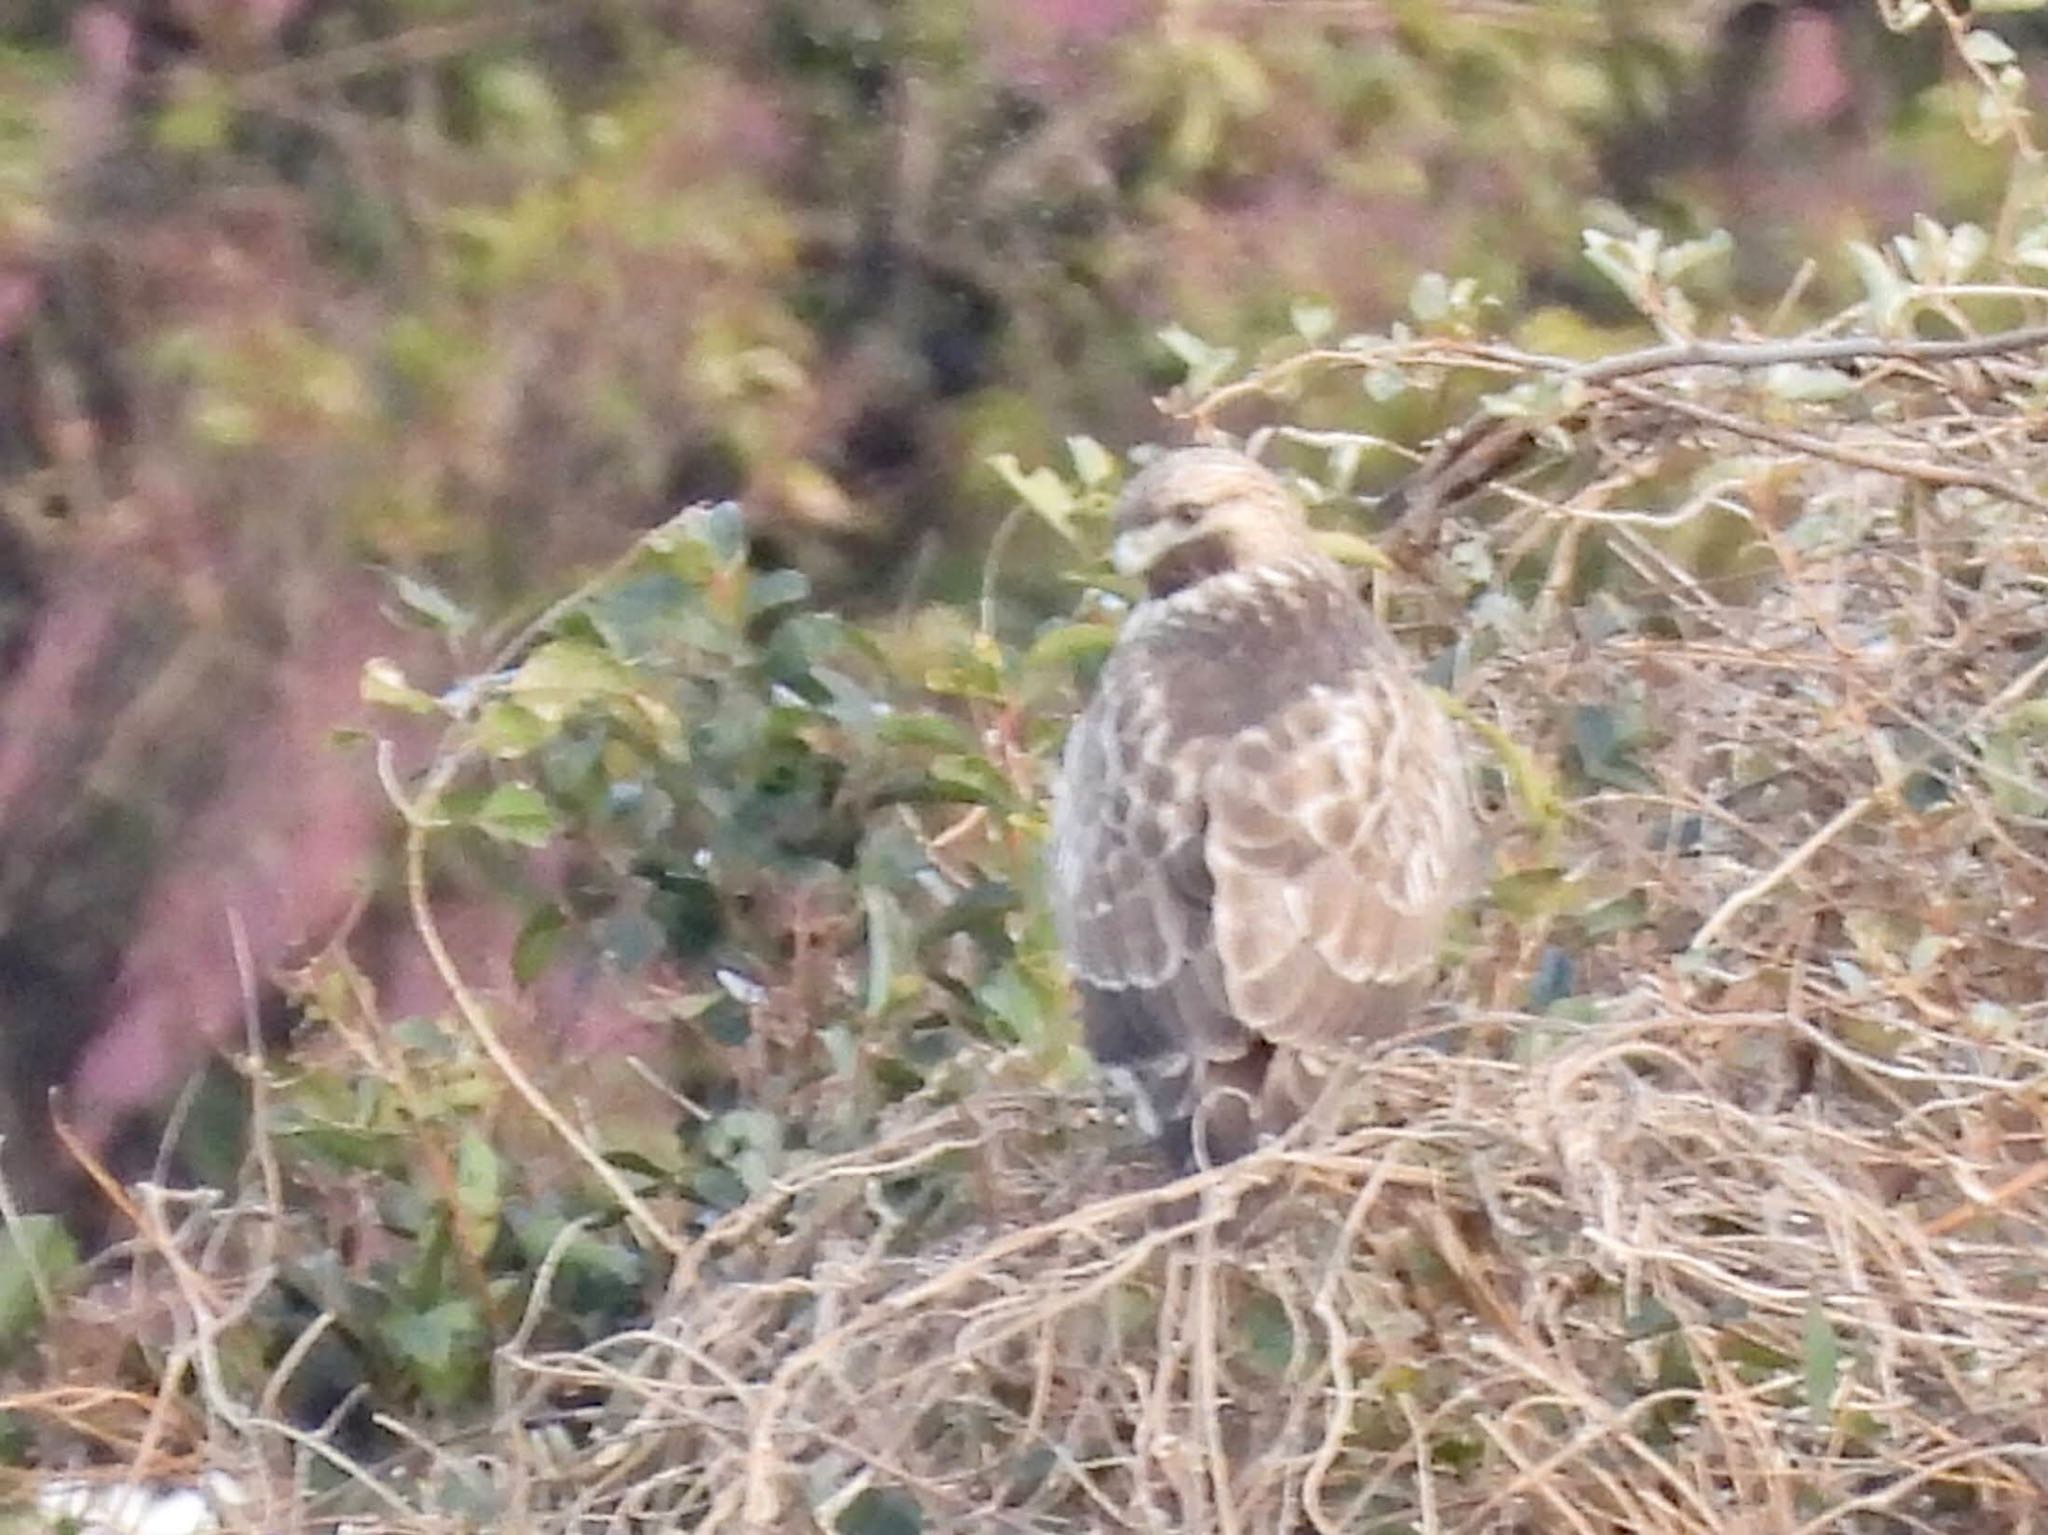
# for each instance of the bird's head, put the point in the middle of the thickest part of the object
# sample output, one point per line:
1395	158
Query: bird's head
1199	512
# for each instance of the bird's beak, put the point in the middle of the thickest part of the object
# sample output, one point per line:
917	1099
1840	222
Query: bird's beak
1134	552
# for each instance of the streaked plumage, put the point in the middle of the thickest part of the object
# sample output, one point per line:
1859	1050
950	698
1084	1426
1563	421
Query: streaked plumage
1262	820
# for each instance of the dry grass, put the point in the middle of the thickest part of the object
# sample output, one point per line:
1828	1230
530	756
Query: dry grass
1592	1291
1585	1294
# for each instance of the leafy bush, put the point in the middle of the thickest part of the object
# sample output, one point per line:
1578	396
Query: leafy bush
809	849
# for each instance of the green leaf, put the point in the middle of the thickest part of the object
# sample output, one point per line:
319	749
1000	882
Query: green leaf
479	1186
225	423
342	1145
1822	1346
643	615
935	731
437	1342
1064	644
647	1174
749	1143
1312	321
1526	894
1677	260
1015	1003
1884	295
776	589
1268	1333
969	677
1617	261
37	1257
199	115
1457	1453
727	1021
1603	739
516	812
1654	1320
718	1187
1429	297
1551	987
629	939
1206	364
721	527
1936	254
1798	381
1619	915
2015	790
383	683
887	930
881	1511
974	780
1982	46
504	730
563	676
432	604
1384	382
1093	463
519	97
1350	549
1535	787
1043	491
2027	721
1546	398
537	942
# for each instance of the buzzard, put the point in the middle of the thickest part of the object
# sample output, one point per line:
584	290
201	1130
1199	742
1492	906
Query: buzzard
1262	820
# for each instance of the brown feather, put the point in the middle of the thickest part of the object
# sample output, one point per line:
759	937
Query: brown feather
1262	822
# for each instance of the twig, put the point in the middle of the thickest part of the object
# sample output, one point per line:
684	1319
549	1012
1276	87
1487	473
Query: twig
1784	869
478	1021
1486	446
1208	1394
1750	355
1961	1215
1959	476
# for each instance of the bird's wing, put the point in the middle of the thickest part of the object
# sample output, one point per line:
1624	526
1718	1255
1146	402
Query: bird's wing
1338	834
1131	892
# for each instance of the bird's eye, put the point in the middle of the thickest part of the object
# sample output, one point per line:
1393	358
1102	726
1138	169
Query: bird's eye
1186	514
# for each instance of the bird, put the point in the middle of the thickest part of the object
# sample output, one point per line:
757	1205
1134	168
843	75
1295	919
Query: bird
1262	821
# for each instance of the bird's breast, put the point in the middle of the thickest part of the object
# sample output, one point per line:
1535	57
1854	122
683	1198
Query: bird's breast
1225	654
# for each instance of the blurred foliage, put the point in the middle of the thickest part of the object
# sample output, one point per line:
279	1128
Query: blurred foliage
468	268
